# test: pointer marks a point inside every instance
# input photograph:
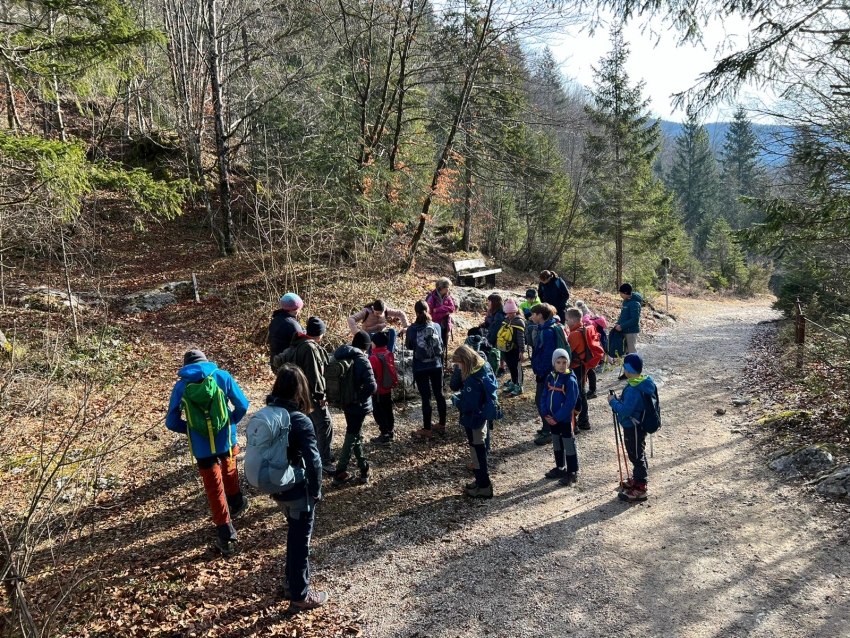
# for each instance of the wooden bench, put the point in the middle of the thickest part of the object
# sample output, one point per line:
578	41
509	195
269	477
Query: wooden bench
470	270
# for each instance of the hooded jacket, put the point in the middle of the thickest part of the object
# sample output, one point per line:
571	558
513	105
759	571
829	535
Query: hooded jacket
364	377
441	309
282	329
492	323
311	358
629	320
630	403
544	348
559	396
200	445
555	292
474	391
526	306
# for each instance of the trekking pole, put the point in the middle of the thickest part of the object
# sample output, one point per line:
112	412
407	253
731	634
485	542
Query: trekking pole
617	443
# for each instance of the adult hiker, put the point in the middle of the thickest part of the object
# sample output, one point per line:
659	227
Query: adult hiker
442	306
284	325
359	386
288	405
586	355
425	342
629	321
307	353
554	291
199	408
374	317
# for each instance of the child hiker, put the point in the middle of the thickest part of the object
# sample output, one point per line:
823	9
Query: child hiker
475	386
510	339
629	409
356	411
424	339
492	322
590	318
198	407
386	378
558	406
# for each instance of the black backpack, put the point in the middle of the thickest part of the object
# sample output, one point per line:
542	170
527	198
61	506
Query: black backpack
428	346
340	382
650	420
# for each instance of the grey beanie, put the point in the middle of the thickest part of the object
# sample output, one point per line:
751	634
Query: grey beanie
194	356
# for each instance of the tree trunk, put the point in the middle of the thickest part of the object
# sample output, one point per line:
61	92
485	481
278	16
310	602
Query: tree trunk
228	245
11	107
619	249
467	204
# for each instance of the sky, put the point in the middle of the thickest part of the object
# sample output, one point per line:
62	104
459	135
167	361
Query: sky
664	67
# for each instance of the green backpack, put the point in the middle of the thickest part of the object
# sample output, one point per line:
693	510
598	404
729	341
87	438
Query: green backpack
205	407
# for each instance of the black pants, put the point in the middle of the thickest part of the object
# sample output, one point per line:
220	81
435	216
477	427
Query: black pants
635	441
583	420
591	380
324	427
383	412
564	447
538	395
426	381
511	357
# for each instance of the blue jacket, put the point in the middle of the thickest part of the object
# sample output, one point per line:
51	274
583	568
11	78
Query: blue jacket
477	389
630	403
559	396
174	421
282	329
544	348
365	379
629	319
410	343
555	292
492	325
302	452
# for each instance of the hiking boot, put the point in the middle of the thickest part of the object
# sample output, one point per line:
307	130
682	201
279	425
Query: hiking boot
627	484
516	391
227	548
422	434
634	494
237	509
313	600
555	473
470	486
342	478
509	387
591	395
439	428
382	439
584	426
365	476
543	439
480	492
330	470
568	479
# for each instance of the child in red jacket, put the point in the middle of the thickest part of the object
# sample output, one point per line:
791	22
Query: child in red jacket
386	377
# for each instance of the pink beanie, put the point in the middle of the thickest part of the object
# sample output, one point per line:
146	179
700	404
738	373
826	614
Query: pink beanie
510	305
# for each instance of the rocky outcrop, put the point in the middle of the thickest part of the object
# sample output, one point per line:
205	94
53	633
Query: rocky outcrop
836	484
156	299
807	462
51	300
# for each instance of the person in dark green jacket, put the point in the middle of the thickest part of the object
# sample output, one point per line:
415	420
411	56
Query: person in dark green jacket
629	322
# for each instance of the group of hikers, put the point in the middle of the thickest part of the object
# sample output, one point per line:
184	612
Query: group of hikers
289	441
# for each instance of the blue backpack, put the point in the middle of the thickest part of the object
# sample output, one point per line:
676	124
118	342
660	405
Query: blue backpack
650	420
266	464
490	410
603	339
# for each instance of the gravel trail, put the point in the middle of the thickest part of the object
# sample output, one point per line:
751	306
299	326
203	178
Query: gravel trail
721	548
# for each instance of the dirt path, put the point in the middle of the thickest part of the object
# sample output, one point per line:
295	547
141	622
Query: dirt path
722	547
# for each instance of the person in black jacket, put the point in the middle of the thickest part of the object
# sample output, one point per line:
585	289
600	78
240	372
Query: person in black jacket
554	291
298	503
356	412
284	325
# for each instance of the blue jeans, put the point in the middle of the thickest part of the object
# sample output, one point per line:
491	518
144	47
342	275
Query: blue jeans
300	515
392	335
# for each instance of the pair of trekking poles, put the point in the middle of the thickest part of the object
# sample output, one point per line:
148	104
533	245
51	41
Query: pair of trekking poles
620	444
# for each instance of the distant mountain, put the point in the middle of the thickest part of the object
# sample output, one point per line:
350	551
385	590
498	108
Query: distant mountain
774	139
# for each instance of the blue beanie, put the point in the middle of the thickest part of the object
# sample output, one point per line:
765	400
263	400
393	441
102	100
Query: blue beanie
291	301
633	363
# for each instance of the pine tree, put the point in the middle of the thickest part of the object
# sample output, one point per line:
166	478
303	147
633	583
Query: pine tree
694	179
724	258
743	176
625	195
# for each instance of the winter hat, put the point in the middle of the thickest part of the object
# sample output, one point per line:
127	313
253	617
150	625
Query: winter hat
380	339
315	327
194	356
361	340
633	363
510	305
291	301
560	352
583	307
626	288
531	293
